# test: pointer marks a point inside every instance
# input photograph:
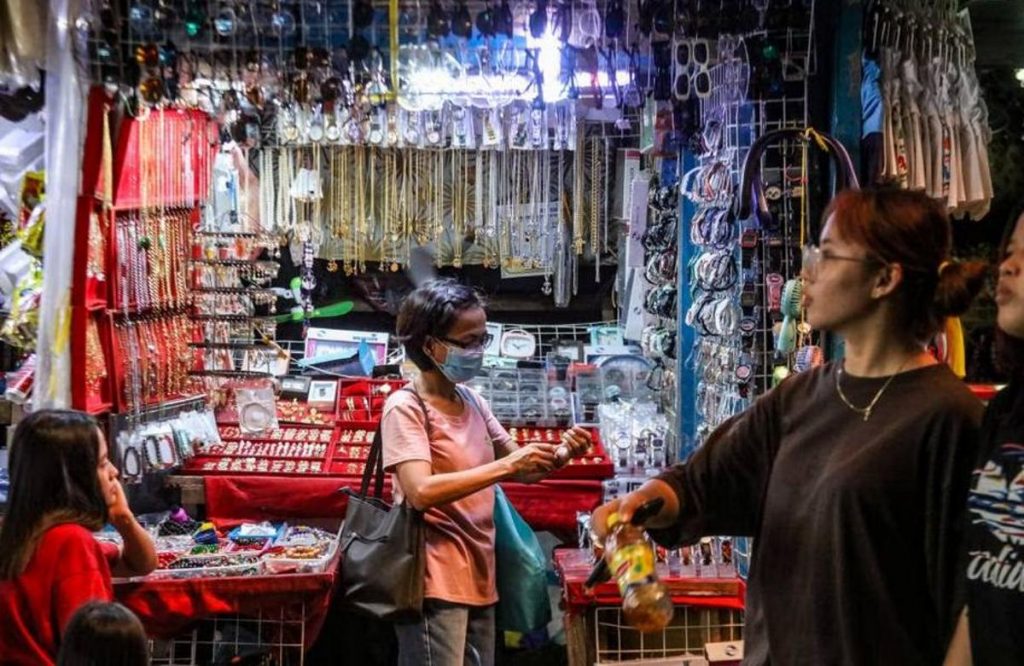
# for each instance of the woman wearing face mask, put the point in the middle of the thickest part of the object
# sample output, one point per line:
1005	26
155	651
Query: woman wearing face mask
63	488
991	629
446	451
850	476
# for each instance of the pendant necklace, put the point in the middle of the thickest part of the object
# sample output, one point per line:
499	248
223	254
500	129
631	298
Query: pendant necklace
866	411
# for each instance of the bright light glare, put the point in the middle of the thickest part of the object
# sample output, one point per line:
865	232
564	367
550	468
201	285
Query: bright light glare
621	78
549	60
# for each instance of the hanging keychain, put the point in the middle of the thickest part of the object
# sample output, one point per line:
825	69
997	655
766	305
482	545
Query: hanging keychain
519	130
491	130
538	125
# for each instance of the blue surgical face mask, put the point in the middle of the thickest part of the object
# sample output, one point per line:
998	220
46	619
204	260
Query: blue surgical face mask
460	365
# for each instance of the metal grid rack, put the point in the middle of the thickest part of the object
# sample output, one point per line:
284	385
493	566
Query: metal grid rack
744	122
548	336
691	628
269	639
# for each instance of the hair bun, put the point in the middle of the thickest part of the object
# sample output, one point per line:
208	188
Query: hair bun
959	283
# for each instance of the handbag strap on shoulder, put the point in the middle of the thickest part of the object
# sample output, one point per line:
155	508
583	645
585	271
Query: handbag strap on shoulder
469	398
374	470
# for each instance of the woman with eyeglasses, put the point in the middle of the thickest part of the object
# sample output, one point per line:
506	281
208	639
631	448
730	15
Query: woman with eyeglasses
852	476
446	451
991	628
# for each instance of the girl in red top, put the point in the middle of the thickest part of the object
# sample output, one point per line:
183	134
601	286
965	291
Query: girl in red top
63	488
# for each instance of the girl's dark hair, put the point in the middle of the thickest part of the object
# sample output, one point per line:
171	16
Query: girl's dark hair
912	230
53	466
103	633
430	311
1009	350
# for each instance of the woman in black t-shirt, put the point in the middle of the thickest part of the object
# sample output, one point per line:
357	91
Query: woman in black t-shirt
852	477
994	617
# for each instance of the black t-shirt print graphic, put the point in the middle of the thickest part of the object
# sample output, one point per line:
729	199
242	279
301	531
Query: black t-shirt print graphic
995	548
996	505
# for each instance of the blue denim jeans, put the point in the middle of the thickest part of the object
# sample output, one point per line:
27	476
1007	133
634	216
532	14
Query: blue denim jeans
448	635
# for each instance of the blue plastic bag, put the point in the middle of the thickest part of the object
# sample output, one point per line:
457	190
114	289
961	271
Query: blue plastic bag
523	603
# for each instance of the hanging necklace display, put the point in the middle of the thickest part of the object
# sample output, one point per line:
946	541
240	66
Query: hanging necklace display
268	191
307	194
478	198
359	263
459	205
285	216
491	258
390	236
596	196
551	267
438	221
578	195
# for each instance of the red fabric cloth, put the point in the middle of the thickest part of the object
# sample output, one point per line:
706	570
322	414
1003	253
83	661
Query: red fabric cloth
574	565
169	607
68	569
552	505
548	505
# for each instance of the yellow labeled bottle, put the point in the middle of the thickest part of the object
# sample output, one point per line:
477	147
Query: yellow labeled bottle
646	603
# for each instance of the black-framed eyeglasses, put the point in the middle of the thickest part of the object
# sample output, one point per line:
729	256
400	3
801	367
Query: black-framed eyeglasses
478	343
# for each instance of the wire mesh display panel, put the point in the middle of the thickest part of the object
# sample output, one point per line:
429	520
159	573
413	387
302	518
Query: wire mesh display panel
549	337
774	252
691	628
269	639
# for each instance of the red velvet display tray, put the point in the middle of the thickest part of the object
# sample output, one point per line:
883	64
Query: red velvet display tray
273	452
363	399
596	464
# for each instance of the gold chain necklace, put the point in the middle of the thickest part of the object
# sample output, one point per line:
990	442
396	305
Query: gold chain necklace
866	411
578	241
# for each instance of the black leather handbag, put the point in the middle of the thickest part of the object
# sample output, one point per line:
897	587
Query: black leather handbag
383	559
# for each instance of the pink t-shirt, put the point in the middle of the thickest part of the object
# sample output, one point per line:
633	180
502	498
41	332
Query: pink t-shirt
460	534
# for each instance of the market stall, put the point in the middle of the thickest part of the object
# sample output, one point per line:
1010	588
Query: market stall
262	183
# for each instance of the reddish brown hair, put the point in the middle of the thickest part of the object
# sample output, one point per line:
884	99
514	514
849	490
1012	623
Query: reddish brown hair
912	230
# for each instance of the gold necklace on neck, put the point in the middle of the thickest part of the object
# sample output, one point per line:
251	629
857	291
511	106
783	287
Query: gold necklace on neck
866	411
